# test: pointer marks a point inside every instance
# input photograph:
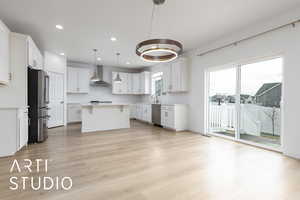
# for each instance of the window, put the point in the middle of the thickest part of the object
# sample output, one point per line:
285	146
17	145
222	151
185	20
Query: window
157	84
244	102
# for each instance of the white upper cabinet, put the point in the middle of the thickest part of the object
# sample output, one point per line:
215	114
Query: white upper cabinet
166	77
4	54
145	83
124	83
129	83
175	76
135	83
78	80
35	58
132	83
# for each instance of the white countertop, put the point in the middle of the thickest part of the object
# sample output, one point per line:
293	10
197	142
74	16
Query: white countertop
104	104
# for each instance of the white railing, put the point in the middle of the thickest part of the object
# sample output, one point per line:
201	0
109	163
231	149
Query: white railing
255	119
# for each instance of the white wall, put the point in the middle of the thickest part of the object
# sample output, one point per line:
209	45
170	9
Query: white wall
57	64
102	93
285	42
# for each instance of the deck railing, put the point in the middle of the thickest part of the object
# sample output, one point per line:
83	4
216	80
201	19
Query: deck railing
255	119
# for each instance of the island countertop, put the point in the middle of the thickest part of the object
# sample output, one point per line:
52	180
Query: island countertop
103	104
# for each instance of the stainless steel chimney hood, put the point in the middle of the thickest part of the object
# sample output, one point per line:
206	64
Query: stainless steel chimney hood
97	78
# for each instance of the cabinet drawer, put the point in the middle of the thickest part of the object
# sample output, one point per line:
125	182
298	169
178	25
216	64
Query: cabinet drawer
167	118
168	107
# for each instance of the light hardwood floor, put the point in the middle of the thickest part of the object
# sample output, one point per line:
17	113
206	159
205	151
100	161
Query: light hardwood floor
147	162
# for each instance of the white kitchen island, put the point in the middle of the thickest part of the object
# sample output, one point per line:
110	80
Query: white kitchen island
103	117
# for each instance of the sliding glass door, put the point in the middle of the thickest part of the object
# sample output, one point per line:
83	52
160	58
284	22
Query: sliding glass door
260	102
222	98
244	102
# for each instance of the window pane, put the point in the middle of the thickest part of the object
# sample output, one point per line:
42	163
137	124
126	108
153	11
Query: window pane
261	85
222	111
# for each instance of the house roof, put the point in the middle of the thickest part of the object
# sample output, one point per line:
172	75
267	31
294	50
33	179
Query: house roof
266	88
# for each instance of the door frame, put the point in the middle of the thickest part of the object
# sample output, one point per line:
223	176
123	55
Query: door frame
238	67
64	95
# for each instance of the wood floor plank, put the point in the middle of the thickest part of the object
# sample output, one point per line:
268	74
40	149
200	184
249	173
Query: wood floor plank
147	162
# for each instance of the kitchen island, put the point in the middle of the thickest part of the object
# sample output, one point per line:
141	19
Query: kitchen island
104	116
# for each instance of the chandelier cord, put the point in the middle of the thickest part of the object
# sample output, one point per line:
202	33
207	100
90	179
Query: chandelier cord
151	21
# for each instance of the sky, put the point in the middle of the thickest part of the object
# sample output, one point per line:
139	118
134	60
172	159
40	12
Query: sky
253	76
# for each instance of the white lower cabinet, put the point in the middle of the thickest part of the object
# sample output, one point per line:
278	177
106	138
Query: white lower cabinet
22	128
141	112
147	113
14	132
74	113
174	117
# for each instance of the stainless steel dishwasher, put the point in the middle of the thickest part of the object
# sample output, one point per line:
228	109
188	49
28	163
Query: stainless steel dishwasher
156	114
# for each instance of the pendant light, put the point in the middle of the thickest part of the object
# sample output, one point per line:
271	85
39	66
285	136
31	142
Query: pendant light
118	78
95	77
158	50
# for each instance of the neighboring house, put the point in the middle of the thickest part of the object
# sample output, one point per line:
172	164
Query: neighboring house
269	95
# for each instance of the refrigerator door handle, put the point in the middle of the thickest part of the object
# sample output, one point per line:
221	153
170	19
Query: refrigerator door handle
46	93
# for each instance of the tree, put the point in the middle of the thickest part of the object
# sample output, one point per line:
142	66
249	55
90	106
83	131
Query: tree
272	115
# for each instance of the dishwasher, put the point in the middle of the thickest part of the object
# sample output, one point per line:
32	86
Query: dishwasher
156	114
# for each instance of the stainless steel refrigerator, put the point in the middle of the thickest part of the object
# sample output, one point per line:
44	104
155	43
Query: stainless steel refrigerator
38	100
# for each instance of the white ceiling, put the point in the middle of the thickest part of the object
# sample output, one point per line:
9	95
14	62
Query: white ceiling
89	24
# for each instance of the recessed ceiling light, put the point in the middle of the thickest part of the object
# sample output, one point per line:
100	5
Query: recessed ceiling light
98	58
113	39
60	27
127	63
62	54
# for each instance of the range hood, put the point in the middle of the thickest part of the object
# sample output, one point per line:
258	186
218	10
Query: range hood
97	78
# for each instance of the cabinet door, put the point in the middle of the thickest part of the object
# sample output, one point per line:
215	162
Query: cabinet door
184	75
124	83
129	83
136	83
116	87
83	80
33	55
23	128
145	83
149	113
164	115
4	54
142	83
30	53
170	121
72	83
74	113
175	77
166	78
